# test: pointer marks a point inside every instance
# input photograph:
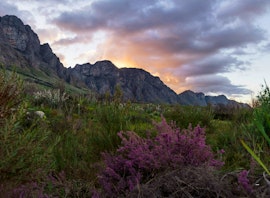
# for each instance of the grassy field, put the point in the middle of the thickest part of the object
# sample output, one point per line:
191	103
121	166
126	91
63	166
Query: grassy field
102	147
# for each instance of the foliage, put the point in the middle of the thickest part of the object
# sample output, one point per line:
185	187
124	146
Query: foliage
61	156
10	94
185	115
24	151
138	159
257	144
50	97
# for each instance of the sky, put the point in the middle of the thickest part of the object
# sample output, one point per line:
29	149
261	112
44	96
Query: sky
210	46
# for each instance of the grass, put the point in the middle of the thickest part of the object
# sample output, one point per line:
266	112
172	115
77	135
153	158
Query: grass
61	155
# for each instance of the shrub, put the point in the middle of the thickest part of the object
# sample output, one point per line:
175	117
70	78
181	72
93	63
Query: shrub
259	139
138	160
244	181
185	115
23	151
54	98
10	94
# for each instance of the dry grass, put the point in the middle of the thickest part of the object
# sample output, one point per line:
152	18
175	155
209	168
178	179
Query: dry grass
187	182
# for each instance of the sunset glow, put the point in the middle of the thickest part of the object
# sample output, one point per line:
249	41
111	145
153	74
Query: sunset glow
215	47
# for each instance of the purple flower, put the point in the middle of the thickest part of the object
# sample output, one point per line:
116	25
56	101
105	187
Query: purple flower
138	159
244	182
221	151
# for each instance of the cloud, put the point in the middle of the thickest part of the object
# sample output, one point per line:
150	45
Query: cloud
7	8
216	84
184	42
181	41
244	10
211	65
266	47
71	40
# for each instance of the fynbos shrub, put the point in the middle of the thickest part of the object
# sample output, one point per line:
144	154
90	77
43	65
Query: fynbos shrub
137	160
50	97
10	91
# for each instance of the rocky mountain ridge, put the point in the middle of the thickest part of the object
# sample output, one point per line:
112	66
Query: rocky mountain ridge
20	47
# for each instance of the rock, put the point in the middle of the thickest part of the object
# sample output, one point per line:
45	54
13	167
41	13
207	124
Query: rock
199	99
191	98
40	114
19	36
136	84
20	46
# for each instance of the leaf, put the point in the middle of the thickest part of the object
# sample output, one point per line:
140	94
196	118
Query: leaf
262	131
255	156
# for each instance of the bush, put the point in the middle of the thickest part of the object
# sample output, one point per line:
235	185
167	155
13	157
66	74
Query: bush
139	160
10	94
185	115
53	98
24	151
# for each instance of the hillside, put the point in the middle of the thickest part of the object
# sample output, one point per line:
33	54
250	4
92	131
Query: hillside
20	49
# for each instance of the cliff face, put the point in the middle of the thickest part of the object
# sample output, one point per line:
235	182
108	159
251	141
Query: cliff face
14	35
136	84
20	47
199	99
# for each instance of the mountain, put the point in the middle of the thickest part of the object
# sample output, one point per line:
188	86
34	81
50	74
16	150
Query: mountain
20	47
199	99
136	84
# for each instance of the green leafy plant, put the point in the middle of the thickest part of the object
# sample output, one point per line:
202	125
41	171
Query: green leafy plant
185	115
10	93
262	123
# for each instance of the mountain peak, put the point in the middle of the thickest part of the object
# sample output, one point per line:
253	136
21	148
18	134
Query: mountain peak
11	20
20	46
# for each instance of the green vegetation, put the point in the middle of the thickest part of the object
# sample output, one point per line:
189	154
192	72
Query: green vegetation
62	153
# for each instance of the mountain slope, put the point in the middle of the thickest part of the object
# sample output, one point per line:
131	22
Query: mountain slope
20	47
136	84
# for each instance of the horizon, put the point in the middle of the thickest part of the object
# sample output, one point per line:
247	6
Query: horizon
214	47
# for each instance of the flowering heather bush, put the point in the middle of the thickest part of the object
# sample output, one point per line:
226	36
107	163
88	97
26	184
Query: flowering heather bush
138	160
244	181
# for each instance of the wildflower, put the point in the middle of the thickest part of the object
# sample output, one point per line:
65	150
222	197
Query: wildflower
244	181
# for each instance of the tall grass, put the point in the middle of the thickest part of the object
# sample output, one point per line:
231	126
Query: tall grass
186	115
259	149
10	93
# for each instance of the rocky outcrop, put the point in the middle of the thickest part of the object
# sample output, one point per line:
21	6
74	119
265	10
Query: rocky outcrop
20	47
199	99
51	60
136	84
20	37
191	98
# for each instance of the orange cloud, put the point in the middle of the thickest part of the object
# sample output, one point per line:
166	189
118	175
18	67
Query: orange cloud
128	53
